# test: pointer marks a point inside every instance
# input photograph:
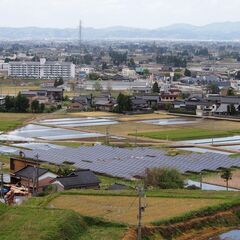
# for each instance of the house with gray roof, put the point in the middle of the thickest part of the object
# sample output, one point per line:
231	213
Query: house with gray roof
79	179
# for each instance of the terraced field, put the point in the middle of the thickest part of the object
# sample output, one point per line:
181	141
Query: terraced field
124	209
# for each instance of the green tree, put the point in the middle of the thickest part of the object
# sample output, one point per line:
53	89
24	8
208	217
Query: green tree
87	59
42	107
185	95
226	175
21	103
124	103
9	103
231	110
104	66
230	92
187	73
35	106
58	82
97	86
163	178
146	72
155	88
132	63
65	170
213	88
177	76
118	57
93	76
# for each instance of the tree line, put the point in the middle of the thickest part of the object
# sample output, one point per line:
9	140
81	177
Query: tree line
21	104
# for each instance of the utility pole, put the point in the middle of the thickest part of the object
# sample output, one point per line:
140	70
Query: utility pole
2	193
136	133
107	135
141	209
37	170
201	180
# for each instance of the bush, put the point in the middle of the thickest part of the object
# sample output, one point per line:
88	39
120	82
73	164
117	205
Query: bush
164	178
182	111
193	187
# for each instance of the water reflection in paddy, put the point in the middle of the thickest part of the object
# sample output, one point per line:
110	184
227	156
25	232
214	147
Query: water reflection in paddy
32	131
174	121
231	235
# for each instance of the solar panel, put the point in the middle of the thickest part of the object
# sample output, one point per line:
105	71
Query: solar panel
126	163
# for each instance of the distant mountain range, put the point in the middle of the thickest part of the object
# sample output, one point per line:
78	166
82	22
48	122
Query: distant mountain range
216	31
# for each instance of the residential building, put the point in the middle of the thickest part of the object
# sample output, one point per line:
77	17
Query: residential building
168	97
27	173
78	179
42	70
81	103
44	95
126	72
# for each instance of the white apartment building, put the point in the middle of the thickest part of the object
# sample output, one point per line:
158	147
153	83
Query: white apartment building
3	66
42	70
87	70
126	72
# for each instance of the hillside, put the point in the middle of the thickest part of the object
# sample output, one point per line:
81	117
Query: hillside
24	223
214	31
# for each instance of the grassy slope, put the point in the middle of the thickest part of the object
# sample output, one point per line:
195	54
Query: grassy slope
24	223
33	223
187	134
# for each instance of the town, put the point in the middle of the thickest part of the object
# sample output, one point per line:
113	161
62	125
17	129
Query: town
119	132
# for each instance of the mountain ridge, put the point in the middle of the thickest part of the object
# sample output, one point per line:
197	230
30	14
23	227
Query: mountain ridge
213	31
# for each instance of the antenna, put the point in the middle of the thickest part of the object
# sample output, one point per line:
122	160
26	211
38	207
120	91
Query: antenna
80	36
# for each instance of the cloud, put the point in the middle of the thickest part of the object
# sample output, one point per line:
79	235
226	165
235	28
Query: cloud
103	13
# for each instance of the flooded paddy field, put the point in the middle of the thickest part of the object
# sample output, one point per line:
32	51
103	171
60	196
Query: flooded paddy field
79	122
173	121
231	235
31	132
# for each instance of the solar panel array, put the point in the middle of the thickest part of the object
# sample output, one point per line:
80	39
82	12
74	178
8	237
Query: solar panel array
126	163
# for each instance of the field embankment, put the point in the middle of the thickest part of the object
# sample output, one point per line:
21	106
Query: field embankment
197	225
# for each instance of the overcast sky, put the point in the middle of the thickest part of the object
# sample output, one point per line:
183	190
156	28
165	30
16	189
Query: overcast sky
105	13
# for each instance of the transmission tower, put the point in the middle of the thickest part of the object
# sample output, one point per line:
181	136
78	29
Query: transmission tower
80	36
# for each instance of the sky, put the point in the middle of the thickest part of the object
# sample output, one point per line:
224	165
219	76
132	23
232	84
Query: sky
105	13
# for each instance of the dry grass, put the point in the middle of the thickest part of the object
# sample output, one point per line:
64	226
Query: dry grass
217	125
11	89
216	179
92	114
145	117
125	128
124	209
129	125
